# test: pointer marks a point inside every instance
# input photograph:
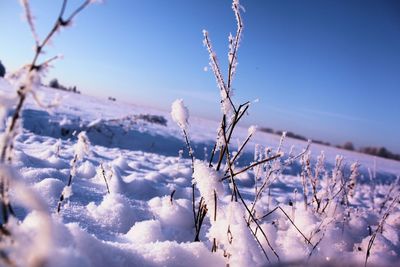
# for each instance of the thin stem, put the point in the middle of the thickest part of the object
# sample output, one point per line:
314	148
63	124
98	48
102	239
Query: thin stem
291	221
103	172
234	189
258	225
393	204
253	165
236	44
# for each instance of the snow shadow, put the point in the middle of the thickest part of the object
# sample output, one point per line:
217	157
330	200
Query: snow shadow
137	133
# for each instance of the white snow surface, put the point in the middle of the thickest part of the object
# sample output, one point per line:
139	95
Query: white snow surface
139	223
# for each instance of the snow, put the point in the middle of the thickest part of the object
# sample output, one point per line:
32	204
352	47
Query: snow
252	130
67	191
180	114
207	181
140	223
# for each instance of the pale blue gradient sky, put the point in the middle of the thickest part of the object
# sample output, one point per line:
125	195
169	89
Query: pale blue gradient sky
324	69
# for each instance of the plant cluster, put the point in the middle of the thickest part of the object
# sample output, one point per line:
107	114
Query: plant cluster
326	195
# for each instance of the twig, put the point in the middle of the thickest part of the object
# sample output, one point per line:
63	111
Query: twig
103	172
258	225
171	197
253	165
392	205
389	194
291	221
232	176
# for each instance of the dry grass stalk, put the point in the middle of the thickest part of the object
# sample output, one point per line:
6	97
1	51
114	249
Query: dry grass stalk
379	229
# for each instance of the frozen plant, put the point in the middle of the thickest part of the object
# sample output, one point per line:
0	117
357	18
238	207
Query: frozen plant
180	115
230	232
26	80
81	148
29	76
102	173
395	202
30	247
353	178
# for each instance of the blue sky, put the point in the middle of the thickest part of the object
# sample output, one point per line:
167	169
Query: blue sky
325	69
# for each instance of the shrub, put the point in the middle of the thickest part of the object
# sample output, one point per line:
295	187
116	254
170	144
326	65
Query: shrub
54	84
348	146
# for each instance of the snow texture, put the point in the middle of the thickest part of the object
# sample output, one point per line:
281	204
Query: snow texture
141	223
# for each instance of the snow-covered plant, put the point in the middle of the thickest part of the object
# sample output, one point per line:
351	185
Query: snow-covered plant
305	161
235	227
102	174
315	179
28	78
180	115
30	247
208	183
281	142
353	178
230	232
81	149
389	195
25	81
393	204
337	174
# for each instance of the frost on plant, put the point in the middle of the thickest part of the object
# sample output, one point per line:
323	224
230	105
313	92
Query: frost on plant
81	149
180	114
208	182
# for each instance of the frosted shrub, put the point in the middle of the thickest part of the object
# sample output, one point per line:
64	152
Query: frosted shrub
230	233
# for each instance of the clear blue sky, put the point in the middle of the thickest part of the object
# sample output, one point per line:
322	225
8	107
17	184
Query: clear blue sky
324	69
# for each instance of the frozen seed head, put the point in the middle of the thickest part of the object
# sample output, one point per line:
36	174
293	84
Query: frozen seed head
180	114
252	130
82	146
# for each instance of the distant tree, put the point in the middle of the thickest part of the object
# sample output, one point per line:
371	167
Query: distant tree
54	84
383	152
348	146
380	152
2	70
266	130
296	136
